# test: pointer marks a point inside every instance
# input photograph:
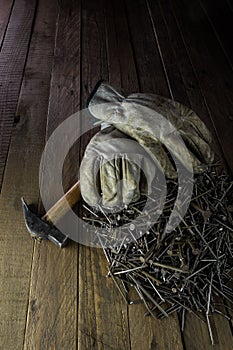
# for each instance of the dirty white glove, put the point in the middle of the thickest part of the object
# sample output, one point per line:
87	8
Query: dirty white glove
111	170
158	124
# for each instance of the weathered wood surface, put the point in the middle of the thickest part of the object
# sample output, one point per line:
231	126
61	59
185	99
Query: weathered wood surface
53	299
21	178
201	338
151	77
180	70
5	11
102	314
207	57
12	60
220	18
52	313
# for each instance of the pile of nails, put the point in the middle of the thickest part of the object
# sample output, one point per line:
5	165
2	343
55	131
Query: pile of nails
185	270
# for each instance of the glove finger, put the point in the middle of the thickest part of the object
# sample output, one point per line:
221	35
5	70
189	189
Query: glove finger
127	114
89	180
130	180
195	135
172	142
160	157
192	119
147	175
201	128
109	182
199	147
175	112
152	146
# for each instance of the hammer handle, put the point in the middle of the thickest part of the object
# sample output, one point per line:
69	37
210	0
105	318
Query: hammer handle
60	208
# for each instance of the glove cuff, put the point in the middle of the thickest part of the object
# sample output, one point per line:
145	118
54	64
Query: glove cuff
104	93
92	94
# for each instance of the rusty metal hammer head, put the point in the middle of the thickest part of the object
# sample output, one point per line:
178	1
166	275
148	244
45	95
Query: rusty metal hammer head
39	229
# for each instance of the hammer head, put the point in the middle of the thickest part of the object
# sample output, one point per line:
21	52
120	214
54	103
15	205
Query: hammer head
40	229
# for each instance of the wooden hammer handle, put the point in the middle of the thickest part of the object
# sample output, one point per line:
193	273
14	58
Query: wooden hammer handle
60	208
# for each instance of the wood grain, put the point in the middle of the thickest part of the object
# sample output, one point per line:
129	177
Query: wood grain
147	59
12	60
6	7
146	332
201	340
220	18
221	331
207	56
21	178
170	41
169	59
52	314
120	55
102	314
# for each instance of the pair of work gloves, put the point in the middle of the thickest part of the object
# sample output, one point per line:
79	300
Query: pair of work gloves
145	135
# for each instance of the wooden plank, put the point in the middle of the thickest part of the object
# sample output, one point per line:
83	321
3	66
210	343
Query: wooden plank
65	85
202	338
211	68
220	17
5	12
179	68
150	70
21	178
145	332
52	313
121	64
103	318
167	54
12	60
94	60
221	331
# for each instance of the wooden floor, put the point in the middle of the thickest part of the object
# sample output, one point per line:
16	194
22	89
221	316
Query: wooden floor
51	55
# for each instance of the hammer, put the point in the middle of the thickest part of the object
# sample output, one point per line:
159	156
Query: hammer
43	228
